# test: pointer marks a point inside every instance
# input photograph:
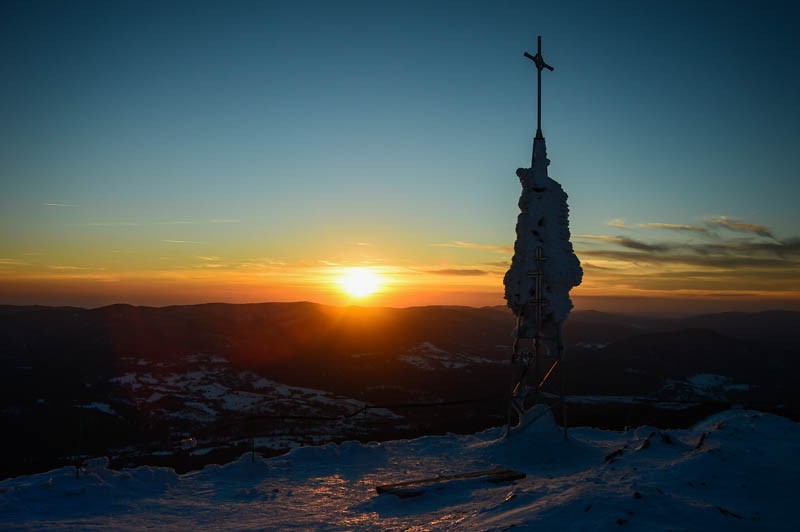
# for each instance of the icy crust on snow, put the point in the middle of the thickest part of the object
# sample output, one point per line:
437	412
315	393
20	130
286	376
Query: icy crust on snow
542	223
737	470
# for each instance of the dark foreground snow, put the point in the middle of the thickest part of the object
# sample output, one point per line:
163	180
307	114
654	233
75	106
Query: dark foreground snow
743	475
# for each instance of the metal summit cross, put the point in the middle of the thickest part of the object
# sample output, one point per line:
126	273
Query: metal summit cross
540	64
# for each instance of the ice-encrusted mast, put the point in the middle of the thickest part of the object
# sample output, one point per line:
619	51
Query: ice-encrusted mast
543	271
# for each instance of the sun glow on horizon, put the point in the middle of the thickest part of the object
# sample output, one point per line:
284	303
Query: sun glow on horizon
360	282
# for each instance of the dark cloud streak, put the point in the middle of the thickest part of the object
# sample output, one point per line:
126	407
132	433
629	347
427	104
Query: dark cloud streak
675	227
739	226
628	243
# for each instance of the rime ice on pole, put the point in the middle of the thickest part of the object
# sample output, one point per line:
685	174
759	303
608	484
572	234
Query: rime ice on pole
543	223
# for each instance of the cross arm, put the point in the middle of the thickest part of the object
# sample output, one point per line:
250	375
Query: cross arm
540	64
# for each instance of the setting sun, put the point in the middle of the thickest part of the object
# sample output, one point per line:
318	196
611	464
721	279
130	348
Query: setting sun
360	282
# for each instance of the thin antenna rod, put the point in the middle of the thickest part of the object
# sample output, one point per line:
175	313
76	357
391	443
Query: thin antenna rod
538	88
540	64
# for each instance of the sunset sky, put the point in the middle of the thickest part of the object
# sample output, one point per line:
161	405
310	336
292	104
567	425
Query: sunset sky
168	152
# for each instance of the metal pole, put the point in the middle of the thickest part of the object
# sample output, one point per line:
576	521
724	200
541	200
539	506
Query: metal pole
563	391
563	405
539	91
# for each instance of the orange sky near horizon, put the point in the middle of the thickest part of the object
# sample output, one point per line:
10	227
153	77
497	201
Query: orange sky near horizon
400	286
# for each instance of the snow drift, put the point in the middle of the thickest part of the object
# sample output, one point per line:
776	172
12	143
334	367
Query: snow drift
738	470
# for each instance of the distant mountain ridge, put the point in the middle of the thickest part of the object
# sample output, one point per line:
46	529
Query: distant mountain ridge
149	374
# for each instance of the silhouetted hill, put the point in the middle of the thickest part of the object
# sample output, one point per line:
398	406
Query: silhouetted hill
144	374
775	328
641	364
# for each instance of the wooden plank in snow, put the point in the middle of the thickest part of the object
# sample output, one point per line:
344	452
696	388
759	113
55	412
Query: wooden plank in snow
413	488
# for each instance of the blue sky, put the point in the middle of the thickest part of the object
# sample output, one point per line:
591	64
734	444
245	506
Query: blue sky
297	130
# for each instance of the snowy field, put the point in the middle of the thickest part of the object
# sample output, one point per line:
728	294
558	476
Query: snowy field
738	470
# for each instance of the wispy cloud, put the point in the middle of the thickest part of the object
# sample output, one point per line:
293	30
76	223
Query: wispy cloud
740	253
112	224
628	242
740	226
11	262
457	271
675	227
182	241
71	268
785	249
618	222
60	205
643	246
472	245
725	261
261	264
586	265
164	222
604	238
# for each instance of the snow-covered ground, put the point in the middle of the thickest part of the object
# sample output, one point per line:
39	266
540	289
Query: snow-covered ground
738	470
428	357
203	389
703	386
